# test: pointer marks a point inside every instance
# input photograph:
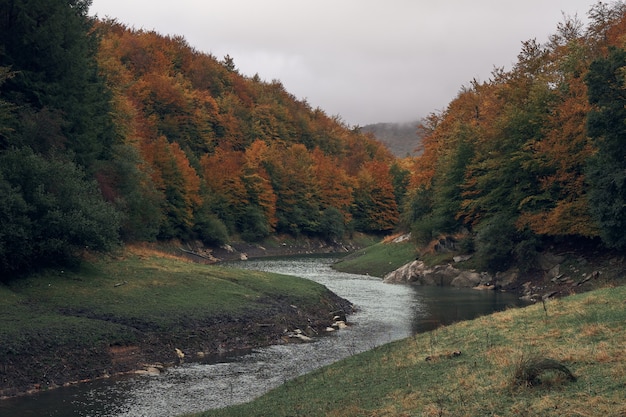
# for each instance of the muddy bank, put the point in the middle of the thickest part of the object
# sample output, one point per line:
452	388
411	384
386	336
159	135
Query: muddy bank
273	246
47	366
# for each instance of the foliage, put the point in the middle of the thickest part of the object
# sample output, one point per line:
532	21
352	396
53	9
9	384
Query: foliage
606	125
533	154
180	144
332	226
63	103
50	213
259	160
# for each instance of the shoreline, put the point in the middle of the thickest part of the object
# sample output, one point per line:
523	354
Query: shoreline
58	356
236	335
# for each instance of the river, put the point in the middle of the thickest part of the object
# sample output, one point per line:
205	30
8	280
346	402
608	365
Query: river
385	313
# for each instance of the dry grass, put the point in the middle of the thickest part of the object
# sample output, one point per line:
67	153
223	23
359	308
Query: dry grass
584	334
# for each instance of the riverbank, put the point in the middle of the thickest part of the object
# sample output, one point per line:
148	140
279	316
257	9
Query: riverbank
560	269
561	357
142	310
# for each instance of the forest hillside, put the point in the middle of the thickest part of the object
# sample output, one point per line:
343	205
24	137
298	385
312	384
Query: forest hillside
536	155
110	134
402	139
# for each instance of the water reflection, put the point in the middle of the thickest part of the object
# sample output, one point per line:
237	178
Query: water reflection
443	306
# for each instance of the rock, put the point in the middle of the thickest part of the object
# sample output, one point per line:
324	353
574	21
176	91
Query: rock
340	324
402	238
466	279
548	260
179	354
445	244
406	273
299	334
461	258
507	278
484	287
444	275
549	295
554	271
149	370
418	273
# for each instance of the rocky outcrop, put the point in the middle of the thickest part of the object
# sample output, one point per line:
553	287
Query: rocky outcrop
418	273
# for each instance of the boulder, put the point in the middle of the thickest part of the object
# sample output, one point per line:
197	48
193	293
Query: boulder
418	273
406	273
466	279
506	278
548	260
443	275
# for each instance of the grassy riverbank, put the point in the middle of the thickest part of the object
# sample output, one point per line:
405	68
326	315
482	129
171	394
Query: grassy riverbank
378	259
115	314
423	376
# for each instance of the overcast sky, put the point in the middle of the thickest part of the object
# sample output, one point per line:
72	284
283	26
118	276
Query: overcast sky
367	61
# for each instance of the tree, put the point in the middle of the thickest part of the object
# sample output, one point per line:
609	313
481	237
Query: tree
50	213
179	183
374	207
125	183
7	112
561	206
226	194
51	48
606	173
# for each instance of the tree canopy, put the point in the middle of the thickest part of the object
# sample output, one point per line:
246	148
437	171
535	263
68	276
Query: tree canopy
129	135
170	142
533	153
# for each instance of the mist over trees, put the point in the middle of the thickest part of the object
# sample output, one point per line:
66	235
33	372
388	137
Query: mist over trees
402	139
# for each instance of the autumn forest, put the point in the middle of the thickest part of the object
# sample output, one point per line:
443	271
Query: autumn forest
110	134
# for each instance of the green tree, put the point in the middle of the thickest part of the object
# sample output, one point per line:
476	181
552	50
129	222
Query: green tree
124	182
50	213
7	111
51	48
332	226
606	125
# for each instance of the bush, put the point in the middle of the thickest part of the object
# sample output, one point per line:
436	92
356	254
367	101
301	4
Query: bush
332	226
49	213
210	229
254	226
494	243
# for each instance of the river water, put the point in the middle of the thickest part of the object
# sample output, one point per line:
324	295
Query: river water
385	313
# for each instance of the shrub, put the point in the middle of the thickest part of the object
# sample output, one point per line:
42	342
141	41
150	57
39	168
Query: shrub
49	213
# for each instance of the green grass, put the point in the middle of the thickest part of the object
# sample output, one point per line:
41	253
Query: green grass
379	259
418	376
111	300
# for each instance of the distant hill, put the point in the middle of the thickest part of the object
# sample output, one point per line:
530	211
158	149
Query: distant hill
401	138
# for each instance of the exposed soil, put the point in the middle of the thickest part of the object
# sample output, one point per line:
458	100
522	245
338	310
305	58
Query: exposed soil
47	366
275	246
570	268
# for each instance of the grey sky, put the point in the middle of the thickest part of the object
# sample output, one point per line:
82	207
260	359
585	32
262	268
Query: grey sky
367	61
